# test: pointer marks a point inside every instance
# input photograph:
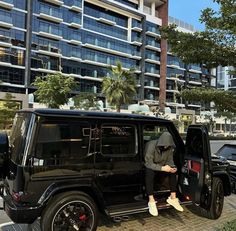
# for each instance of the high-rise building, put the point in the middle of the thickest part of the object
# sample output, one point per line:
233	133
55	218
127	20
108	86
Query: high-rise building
225	79
81	38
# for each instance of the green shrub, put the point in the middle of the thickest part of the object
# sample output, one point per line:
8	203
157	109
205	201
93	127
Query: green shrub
229	226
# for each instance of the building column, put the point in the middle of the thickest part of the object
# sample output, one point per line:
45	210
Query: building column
28	45
163	14
153	9
129	29
141	2
142	61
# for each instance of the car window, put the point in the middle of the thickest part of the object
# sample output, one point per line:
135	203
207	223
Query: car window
194	143
228	152
152	132
62	143
118	140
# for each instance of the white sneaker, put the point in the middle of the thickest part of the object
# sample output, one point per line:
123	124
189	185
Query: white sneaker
153	208
175	204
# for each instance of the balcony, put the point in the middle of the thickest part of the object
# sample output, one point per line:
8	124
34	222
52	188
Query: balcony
77	59
5	41
49	50
153	45
76	5
75	22
153	31
75	55
152	73
137	41
50	14
136	55
50	32
5	20
151	58
173	63
195	69
136	26
106	21
7	4
55	2
108	50
194	104
75	39
194	81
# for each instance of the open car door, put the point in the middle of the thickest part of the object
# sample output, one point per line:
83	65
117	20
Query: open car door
3	154
196	163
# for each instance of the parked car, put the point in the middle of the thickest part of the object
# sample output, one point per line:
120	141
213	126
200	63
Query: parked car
66	166
228	152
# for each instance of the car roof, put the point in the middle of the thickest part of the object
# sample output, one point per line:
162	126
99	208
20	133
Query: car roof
95	114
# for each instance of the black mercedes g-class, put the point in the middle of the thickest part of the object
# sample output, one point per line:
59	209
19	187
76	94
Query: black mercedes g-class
65	166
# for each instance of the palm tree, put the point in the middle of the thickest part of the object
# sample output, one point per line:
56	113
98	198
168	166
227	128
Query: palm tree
120	87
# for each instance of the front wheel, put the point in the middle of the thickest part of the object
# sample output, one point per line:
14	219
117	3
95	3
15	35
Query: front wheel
217	200
70	211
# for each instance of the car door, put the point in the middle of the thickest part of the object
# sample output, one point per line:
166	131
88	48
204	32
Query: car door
117	163
3	154
195	177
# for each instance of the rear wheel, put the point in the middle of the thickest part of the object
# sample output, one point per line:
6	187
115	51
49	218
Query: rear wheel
70	211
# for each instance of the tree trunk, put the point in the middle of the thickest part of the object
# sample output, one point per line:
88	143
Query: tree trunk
118	108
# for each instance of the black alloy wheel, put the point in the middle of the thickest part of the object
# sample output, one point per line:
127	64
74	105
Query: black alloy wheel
75	215
219	200
70	211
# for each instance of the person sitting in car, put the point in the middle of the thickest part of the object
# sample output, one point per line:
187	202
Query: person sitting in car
159	160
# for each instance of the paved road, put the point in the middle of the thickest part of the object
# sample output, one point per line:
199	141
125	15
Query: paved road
168	220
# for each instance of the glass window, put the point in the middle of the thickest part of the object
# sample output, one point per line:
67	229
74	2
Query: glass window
19	19
113	31
12	75
62	143
118	140
152	132
21	4
229	152
18	136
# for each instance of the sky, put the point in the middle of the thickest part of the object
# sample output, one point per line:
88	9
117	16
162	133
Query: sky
190	10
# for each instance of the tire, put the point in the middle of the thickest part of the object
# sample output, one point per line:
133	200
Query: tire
217	200
70	211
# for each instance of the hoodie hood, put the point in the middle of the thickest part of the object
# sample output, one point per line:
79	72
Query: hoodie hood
165	140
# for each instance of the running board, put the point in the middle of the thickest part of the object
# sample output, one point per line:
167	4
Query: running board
128	209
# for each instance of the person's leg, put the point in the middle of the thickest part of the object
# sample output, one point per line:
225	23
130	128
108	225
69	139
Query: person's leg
149	181
173	200
173	185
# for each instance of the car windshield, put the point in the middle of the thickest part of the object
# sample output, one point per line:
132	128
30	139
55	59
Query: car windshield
228	152
18	136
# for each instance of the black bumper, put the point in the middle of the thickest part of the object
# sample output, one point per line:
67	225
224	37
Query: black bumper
21	214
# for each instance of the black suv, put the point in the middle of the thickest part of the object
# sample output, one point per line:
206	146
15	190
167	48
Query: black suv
67	166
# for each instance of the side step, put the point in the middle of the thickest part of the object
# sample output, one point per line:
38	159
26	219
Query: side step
137	207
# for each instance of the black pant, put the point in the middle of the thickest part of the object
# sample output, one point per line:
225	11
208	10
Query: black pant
149	180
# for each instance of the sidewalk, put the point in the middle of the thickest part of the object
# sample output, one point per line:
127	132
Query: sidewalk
168	220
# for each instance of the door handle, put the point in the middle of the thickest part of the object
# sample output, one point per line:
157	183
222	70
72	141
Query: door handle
105	173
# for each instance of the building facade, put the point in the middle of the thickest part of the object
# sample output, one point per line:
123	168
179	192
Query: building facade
226	80
81	38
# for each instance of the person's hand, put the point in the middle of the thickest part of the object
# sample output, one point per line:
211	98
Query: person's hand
173	170
166	168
